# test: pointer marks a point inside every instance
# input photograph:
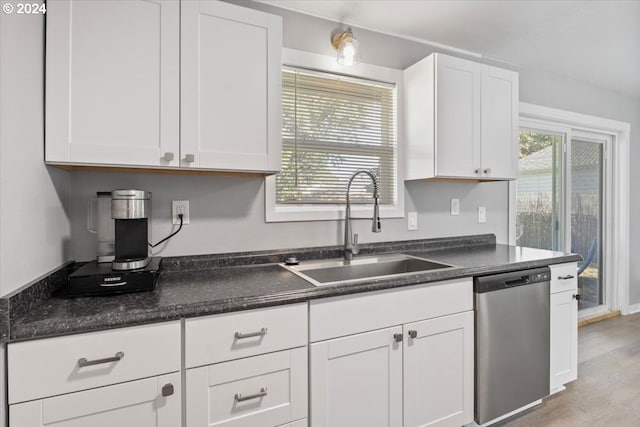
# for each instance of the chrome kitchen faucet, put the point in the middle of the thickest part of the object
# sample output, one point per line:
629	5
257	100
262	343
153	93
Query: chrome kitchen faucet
351	241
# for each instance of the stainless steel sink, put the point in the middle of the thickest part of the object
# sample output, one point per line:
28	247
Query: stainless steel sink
336	271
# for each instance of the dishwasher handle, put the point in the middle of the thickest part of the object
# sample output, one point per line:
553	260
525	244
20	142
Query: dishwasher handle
517	282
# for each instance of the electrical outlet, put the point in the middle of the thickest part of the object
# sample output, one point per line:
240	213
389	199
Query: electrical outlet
412	221
180	207
455	206
482	214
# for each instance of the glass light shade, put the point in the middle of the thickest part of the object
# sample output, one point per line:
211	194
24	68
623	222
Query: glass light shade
347	47
349	53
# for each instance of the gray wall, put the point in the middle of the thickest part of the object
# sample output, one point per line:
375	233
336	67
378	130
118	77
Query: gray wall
227	214
34	225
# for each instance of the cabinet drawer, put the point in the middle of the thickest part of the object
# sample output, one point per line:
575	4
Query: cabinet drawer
341	316
564	277
231	336
53	366
140	403
267	390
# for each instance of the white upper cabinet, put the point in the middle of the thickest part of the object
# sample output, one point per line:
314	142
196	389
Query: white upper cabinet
112	92
461	120
231	87
499	123
163	83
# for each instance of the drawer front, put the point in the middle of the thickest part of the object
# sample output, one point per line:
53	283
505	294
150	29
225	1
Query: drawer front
564	277
139	403
52	366
267	390
340	316
231	336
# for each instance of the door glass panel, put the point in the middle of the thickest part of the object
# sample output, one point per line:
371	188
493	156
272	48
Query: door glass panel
539	207
587	160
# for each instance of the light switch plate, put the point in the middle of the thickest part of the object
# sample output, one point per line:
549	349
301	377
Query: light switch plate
455	206
412	221
482	214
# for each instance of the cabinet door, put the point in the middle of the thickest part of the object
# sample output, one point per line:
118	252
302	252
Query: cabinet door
230	87
457	132
499	136
138	403
113	82
357	380
438	371
267	390
564	339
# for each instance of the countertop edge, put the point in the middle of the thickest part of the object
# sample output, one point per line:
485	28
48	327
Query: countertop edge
94	323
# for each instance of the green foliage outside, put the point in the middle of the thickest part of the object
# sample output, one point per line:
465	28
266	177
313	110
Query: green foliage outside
532	142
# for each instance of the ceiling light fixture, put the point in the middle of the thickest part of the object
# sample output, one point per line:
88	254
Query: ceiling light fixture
347	47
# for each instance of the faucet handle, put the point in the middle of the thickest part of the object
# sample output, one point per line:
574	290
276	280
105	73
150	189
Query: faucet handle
354	246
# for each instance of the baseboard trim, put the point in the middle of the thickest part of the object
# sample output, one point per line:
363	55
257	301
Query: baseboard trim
599	317
635	308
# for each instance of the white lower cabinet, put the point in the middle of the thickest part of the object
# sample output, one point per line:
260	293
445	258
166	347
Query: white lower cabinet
564	325
151	402
248	368
416	373
438	371
357	380
267	390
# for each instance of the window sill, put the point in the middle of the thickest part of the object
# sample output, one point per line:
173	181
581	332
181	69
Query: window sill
281	213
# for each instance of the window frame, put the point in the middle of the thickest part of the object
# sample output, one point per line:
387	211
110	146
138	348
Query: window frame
318	212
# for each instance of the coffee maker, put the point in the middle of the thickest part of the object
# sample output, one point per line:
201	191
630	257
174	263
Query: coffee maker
123	263
130	210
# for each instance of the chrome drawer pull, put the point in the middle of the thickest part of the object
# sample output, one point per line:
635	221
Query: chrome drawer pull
260	333
567	277
413	334
240	398
82	362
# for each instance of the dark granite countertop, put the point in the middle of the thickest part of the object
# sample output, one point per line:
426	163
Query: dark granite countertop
204	285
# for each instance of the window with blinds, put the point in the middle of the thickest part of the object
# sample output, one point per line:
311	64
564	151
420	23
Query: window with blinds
331	127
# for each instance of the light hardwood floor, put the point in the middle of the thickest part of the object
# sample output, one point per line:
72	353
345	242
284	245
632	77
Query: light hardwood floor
607	391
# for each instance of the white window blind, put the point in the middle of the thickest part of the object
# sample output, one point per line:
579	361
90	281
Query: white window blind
331	127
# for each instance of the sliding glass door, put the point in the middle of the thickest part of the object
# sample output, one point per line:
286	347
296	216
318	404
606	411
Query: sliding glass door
587	168
561	198
539	204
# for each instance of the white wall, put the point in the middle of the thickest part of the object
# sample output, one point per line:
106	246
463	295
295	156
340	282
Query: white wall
34	226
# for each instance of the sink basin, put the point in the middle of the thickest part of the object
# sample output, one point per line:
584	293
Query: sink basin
336	271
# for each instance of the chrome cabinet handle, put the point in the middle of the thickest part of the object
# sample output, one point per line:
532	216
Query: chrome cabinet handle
577	297
567	277
167	390
487	171
189	158
240	398
261	332
397	337
477	171
82	362
413	334
168	156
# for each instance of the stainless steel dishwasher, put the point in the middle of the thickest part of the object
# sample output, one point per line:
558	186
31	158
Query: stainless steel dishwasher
512	341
